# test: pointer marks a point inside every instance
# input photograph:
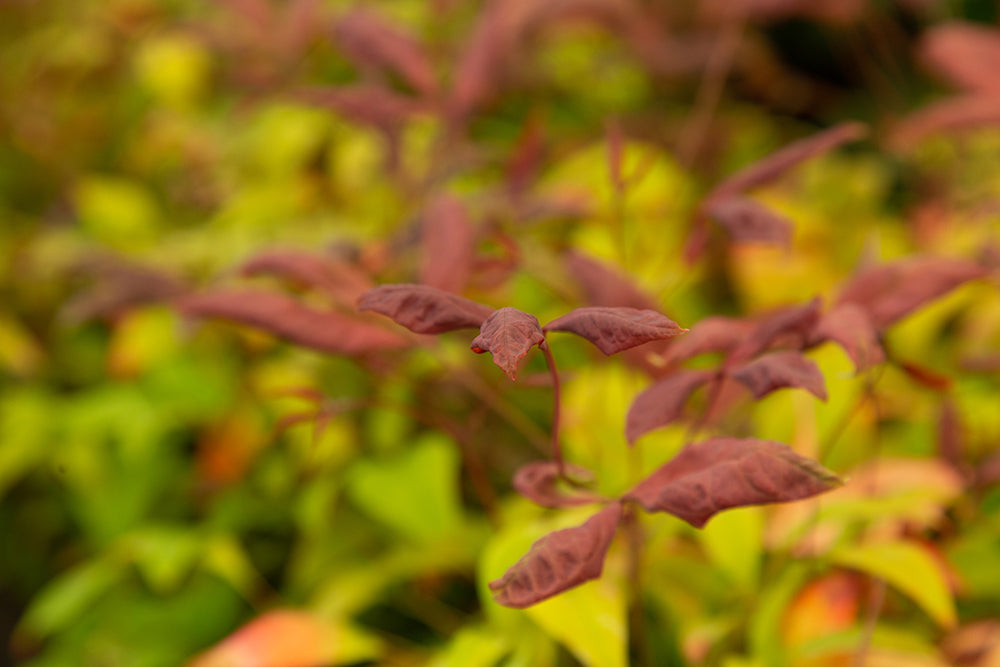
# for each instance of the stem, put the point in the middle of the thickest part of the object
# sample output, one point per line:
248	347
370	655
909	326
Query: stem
556	408
639	639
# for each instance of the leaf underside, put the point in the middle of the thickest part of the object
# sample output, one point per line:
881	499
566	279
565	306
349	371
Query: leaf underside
559	561
615	329
779	370
508	334
722	473
663	402
424	309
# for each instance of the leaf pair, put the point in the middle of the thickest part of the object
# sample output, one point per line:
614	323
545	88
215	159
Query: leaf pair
704	479
509	333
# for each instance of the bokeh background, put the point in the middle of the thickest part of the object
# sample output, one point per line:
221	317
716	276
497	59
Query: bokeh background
240	490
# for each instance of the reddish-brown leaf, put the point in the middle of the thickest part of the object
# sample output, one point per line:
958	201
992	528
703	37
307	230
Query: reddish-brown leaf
615	329
779	370
792	325
773	166
448	239
604	286
508	334
950	115
559	561
964	53
663	402
282	316
712	334
424	309
722	473
369	40
540	483
925	376
341	281
364	103
746	221
849	326
951	434
889	292
116	286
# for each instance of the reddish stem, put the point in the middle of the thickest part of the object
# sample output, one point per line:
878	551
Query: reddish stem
556	408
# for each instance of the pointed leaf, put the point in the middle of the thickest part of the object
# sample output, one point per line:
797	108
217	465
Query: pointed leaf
773	166
720	473
849	326
712	334
371	104
779	370
663	402
508	334
964	53
559	561
539	482
282	316
447	239
369	40
746	221
424	309
889	292
615	329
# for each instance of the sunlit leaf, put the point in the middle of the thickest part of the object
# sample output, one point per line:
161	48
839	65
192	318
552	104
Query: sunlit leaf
908	567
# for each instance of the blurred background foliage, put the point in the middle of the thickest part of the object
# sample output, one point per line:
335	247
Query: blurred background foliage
180	492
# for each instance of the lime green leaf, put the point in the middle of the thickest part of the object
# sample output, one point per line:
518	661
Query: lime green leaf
415	492
25	423
909	568
733	540
474	646
164	555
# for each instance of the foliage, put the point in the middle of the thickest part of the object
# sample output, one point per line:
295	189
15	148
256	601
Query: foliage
248	246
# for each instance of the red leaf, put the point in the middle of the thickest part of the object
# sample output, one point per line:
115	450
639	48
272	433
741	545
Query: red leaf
889	292
773	166
341	281
424	309
747	221
559	561
539	482
712	334
779	370
964	53
508	334
721	473
615	329
951	435
796	322
849	326
925	376
448	239
284	317
605	286
663	402
368	39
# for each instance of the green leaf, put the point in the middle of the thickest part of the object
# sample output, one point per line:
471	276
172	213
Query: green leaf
164	555
415	492
69	596
733	540
909	568
25	424
474	646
